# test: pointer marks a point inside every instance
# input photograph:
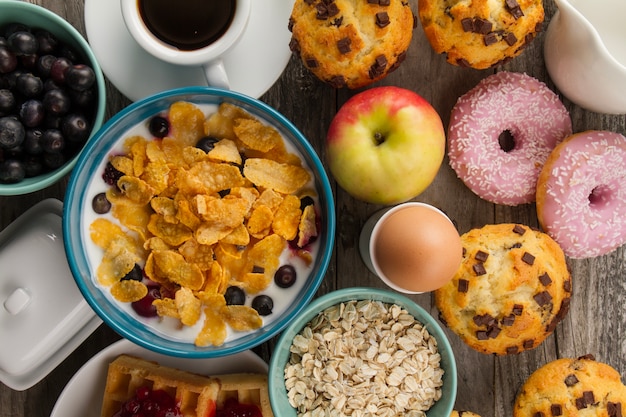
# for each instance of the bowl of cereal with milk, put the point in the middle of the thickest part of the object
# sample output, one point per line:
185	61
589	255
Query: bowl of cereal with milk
366	352
198	222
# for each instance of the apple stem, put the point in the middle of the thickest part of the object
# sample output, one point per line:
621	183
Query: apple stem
379	138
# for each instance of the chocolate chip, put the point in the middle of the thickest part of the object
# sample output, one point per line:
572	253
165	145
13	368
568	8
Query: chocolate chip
519	229
570	380
481	256
482	335
378	67
528	258
543	298
479	269
514	8
382	19
545	279
508	320
518	309
516	246
588	357
539	414
528	38
589	397
511	350
528	344
312	63
294	46
337	21
556	409
372	1
482	26
463	285
322	11
567	285
337	81
614	409
490	39
467	24
462	62
493	332
290	24
343	45
484	320
510	39
332	10
258	269
384	2
539	27
309	2
580	403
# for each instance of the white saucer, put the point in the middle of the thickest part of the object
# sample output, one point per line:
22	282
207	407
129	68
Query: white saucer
253	65
82	396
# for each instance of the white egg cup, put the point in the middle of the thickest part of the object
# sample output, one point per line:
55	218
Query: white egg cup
369	234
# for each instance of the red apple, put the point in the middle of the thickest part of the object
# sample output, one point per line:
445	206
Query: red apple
385	145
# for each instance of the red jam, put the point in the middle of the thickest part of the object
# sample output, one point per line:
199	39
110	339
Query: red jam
149	403
232	408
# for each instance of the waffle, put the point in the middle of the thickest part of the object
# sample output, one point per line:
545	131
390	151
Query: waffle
195	394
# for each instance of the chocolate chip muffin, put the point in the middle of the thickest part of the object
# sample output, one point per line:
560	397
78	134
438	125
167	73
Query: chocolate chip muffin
351	43
572	387
480	33
456	413
513	287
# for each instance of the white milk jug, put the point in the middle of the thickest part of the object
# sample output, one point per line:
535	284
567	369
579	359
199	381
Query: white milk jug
585	53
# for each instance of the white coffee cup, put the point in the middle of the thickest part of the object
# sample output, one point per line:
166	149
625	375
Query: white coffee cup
209	56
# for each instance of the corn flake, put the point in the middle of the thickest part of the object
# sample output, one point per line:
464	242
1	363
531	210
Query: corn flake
129	290
284	178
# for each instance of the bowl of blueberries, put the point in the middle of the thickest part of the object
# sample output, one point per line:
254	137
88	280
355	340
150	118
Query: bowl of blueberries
52	97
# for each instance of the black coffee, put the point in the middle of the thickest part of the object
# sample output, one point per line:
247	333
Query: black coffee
187	24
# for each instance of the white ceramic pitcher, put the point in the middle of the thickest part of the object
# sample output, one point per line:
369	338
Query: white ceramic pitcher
585	53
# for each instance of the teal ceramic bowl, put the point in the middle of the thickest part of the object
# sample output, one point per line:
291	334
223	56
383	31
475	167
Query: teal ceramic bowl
277	391
78	202
38	17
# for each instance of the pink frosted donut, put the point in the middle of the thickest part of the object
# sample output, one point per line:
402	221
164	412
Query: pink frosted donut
581	194
501	133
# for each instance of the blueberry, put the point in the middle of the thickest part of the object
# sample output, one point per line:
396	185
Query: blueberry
48	43
144	306
7	101
207	143
285	276
23	43
32	142
235	296
263	304
52	141
75	128
135	274
33	166
306	201
12	132
11	171
32	113
101	204
59	69
111	174
44	65
53	160
80	77
8	60
57	101
159	126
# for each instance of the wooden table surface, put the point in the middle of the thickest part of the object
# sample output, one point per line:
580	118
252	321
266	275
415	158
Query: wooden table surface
487	385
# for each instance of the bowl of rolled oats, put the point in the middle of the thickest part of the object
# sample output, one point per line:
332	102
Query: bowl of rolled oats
363	352
198	222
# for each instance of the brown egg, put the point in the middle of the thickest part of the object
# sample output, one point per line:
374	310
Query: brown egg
417	248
